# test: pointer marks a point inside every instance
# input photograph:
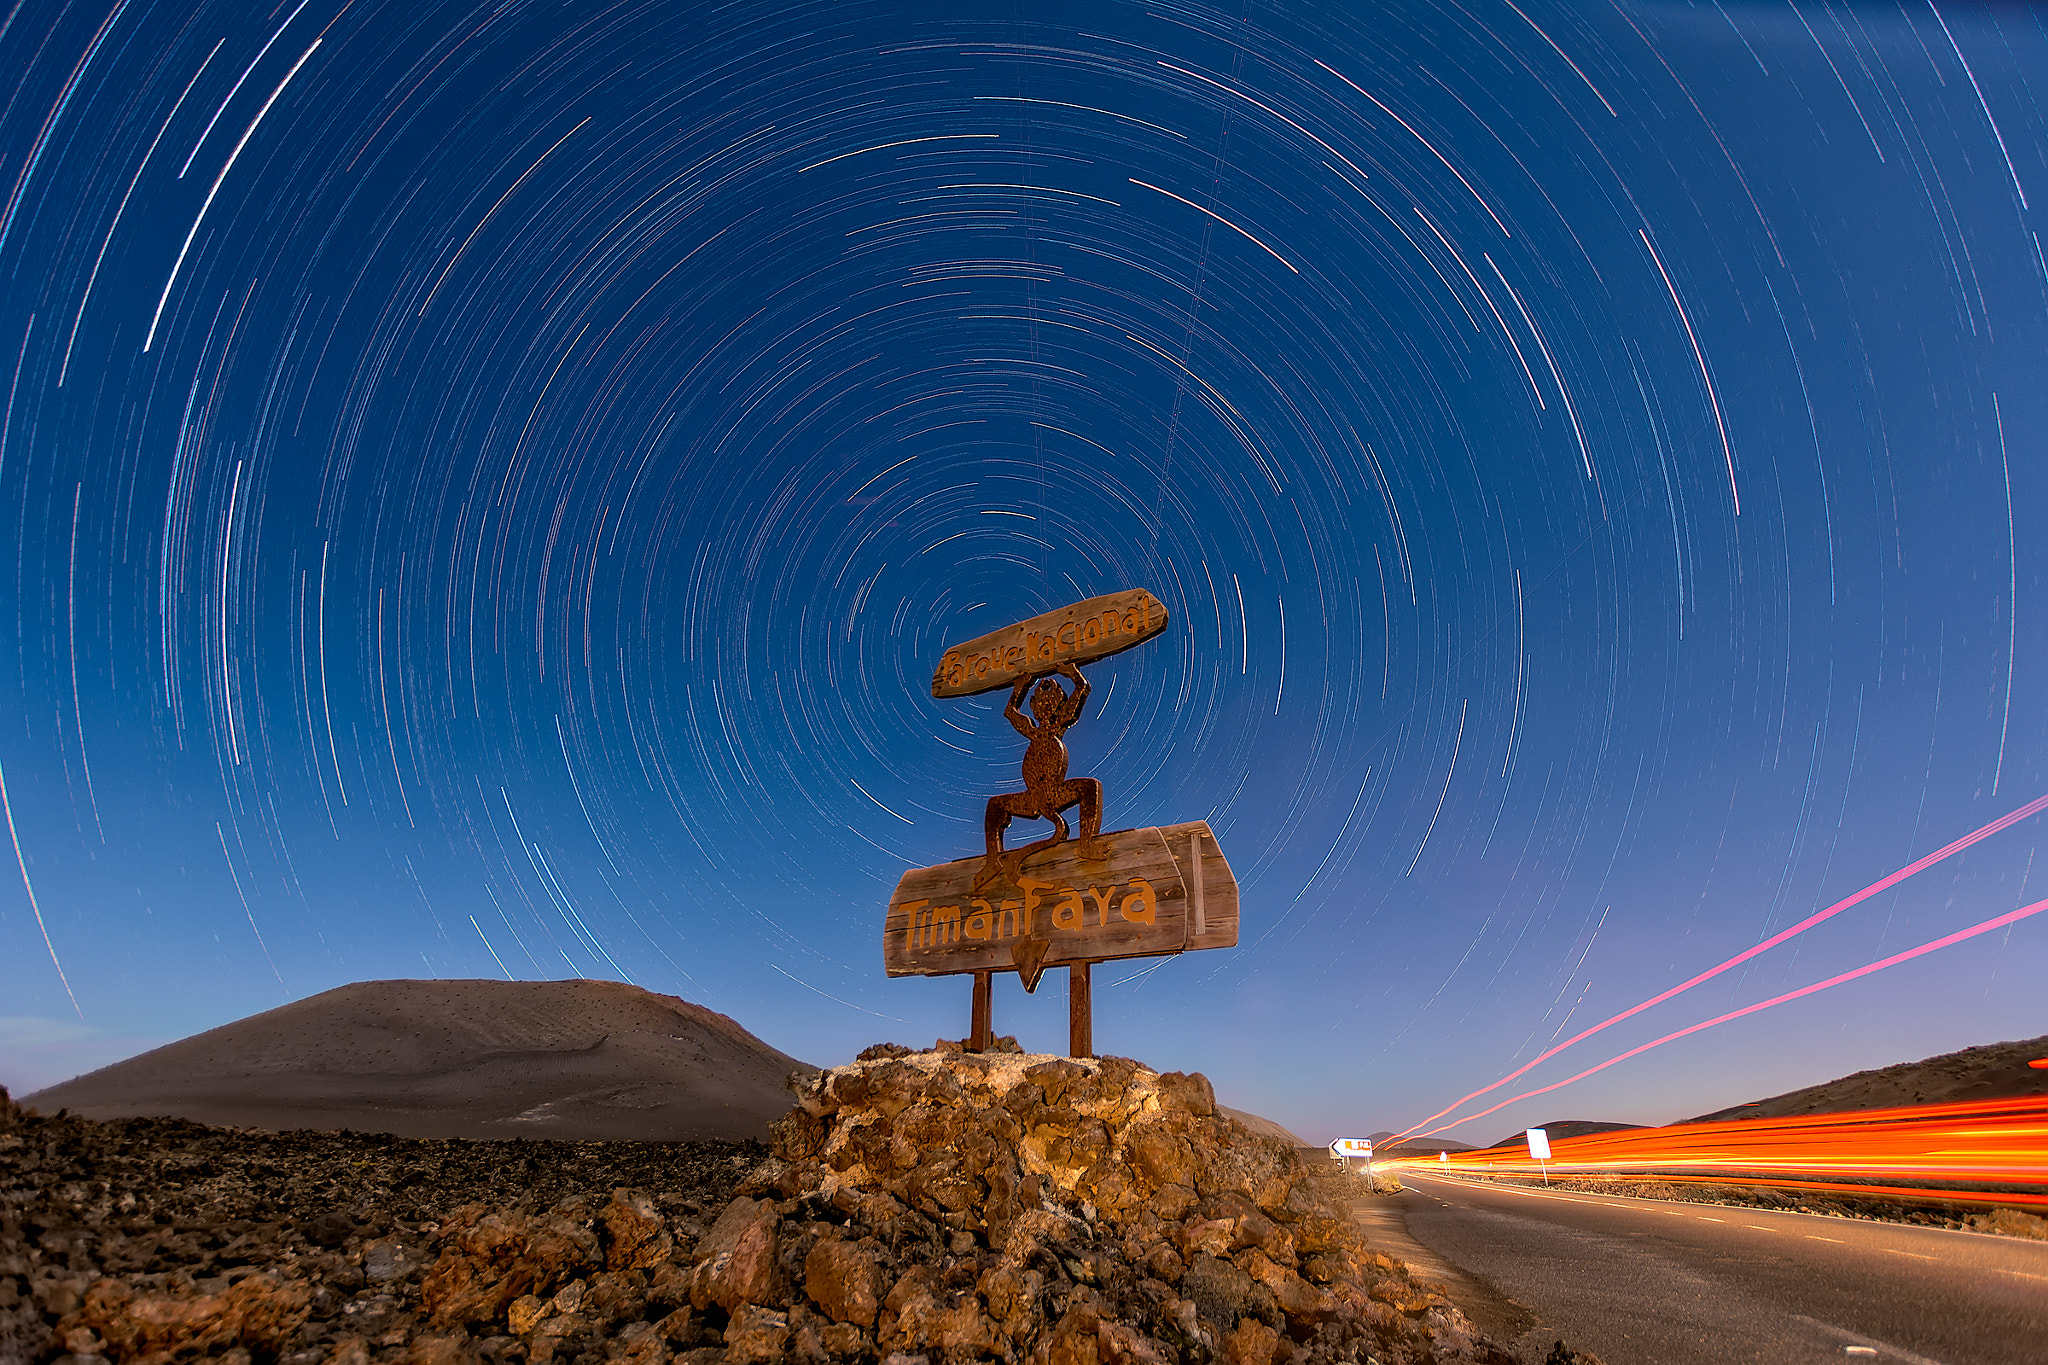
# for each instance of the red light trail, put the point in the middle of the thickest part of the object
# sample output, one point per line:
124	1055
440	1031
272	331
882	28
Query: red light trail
1883	884
1867	1152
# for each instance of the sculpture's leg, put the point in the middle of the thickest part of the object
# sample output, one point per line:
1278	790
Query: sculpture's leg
1086	792
993	825
1016	857
1090	793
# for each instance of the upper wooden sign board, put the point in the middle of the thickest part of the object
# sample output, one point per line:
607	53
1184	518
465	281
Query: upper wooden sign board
1094	629
1135	893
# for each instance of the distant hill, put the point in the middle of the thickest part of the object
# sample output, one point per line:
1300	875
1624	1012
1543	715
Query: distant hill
1561	1128
1419	1147
473	1059
1992	1072
1435	1144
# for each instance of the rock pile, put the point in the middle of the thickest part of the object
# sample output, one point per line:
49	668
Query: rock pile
1060	1212
917	1209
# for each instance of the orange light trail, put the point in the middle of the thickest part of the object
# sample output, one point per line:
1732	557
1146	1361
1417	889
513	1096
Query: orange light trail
1899	1153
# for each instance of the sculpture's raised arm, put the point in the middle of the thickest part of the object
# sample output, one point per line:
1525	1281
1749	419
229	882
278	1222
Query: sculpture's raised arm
1015	716
1081	690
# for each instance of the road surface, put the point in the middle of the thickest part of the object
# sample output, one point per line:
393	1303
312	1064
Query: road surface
1656	1282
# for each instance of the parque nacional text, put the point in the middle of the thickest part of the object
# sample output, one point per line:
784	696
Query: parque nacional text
1079	634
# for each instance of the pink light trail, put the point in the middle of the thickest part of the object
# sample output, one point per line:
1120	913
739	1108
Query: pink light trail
2031	808
1998	922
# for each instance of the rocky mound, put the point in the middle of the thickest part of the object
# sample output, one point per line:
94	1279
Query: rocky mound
918	1209
1995	1071
1062	1212
586	1060
1266	1127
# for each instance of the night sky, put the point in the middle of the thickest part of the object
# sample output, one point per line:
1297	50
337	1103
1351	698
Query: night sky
485	488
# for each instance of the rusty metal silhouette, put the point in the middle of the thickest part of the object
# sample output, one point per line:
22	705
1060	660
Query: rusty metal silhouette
1048	792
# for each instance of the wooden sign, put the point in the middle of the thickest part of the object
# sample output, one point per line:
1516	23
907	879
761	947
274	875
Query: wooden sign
1135	893
1094	629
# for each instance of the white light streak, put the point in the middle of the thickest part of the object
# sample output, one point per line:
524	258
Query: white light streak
1425	142
92	279
1221	219
179	264
1446	791
885	146
485	221
1706	377
1981	103
7	807
2012	602
247	72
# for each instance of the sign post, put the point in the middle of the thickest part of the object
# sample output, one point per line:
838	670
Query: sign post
1346	1148
1072	902
1539	1147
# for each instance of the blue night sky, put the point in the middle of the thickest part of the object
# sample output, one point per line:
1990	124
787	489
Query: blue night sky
485	488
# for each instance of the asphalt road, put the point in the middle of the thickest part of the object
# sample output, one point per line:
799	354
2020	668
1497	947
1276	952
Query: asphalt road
1654	1282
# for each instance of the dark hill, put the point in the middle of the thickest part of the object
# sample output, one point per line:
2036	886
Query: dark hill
1418	1147
1561	1128
1994	1071
585	1060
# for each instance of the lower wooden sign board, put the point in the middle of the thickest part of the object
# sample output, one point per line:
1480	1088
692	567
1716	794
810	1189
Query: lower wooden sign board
1149	892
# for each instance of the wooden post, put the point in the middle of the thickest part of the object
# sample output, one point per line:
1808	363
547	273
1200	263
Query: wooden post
1080	1020
982	1036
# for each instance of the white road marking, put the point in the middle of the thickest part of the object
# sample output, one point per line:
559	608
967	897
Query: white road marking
1864	1346
2021	1273
1914	1254
1704	1219
1759	1227
1811	1238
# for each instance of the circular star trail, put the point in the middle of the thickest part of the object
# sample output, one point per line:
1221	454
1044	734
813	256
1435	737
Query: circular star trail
487	488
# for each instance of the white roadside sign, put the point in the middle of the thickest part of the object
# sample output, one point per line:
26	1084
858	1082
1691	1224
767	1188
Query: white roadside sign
1539	1144
1361	1147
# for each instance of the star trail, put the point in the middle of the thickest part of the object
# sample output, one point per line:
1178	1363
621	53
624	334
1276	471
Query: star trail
487	487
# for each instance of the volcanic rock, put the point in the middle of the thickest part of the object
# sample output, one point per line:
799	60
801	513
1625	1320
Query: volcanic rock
914	1209
159	1239
1063	1212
